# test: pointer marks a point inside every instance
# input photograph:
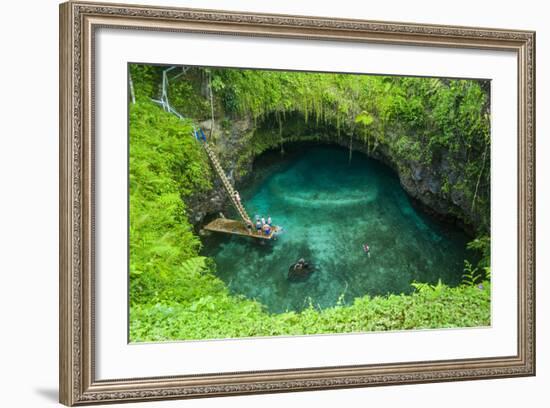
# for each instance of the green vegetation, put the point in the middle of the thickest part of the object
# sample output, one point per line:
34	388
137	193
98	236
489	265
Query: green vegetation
174	292
219	315
482	271
166	165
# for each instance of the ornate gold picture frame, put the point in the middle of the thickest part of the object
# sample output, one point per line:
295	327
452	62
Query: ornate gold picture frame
78	24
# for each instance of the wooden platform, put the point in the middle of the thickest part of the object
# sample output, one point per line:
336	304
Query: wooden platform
237	228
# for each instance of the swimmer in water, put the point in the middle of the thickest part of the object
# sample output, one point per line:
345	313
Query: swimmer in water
366	248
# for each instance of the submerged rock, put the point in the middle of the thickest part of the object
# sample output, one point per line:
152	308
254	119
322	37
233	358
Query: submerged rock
299	271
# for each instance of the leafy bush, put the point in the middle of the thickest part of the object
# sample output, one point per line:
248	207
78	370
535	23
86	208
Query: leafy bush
165	164
224	316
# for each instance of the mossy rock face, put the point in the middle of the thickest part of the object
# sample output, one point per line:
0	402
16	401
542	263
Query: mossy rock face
426	183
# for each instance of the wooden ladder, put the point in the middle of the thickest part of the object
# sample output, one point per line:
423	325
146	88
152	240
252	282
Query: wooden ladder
226	184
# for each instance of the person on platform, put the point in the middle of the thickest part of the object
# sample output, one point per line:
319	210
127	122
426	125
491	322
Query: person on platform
258	226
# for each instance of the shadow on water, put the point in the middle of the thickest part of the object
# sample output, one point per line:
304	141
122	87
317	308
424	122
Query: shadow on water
328	209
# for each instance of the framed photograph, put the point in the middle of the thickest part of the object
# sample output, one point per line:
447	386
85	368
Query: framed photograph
256	203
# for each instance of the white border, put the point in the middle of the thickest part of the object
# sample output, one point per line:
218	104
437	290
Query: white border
116	359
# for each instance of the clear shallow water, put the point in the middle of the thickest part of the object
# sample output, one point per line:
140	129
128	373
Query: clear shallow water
328	209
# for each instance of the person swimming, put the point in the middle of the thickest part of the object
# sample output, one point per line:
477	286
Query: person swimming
366	249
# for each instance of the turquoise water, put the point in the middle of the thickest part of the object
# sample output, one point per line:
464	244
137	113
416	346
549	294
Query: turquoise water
328	208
